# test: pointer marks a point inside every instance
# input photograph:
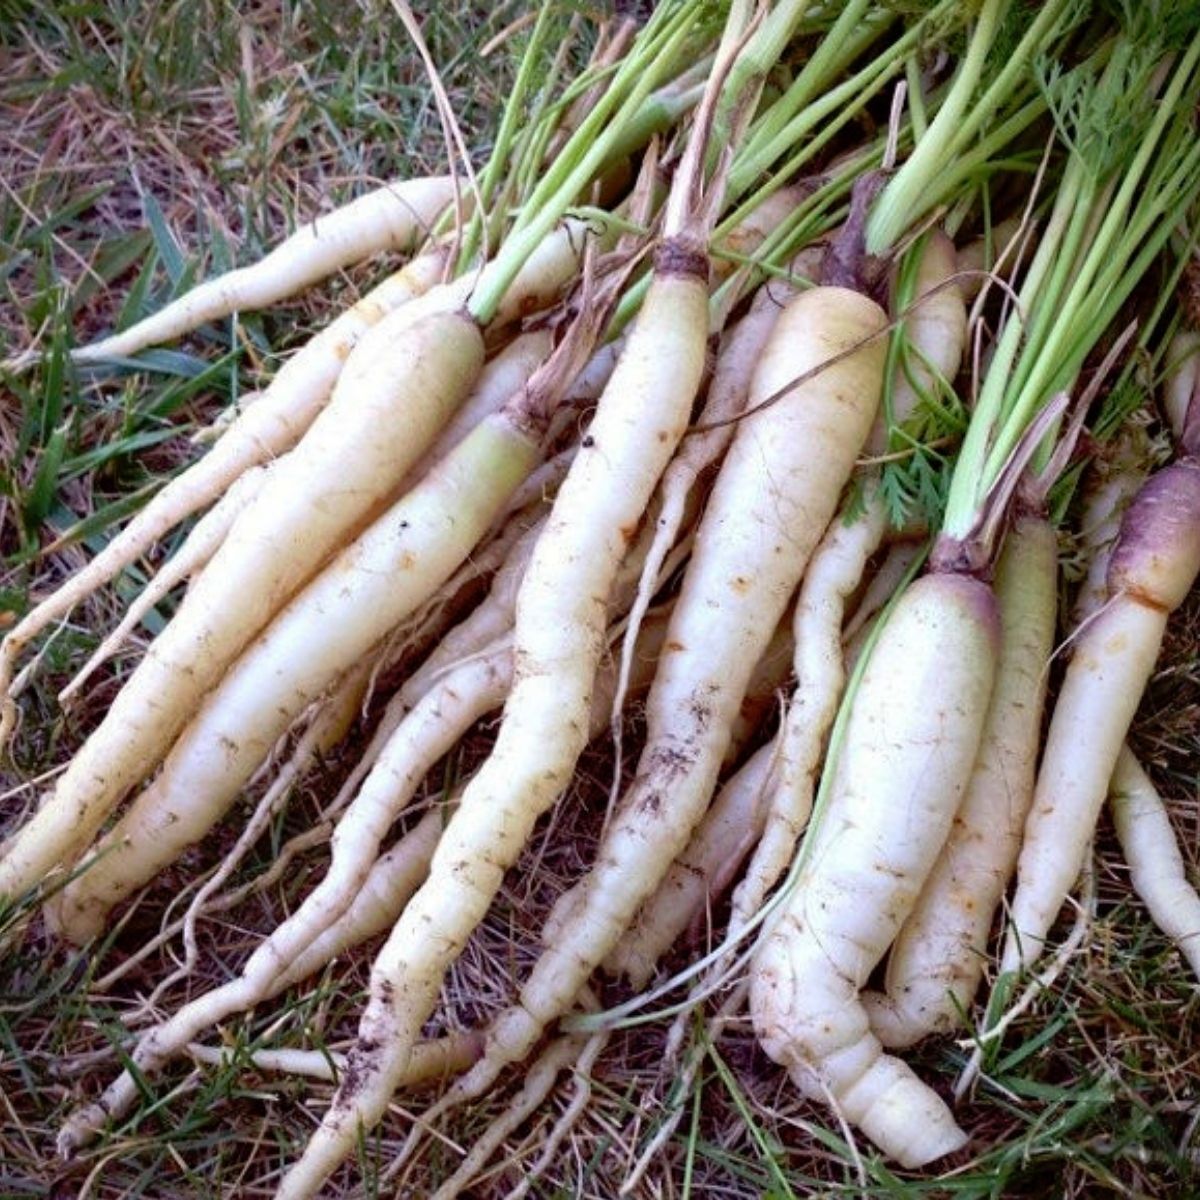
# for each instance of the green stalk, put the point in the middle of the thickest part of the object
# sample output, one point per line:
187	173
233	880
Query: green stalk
1043	31
904	292
643	69
916	99
1156	226
1071	344
497	165
980	157
926	185
902	198
757	57
636	76
1108	255
1071	259
529	167
782	243
847	32
968	203
1096	249
661	111
783	125
963	501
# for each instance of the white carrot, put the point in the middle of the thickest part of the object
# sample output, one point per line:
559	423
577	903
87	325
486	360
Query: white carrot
505	374
432	1061
323	927
737	355
835	572
935	331
772	499
1139	815
263	432
882	586
364	344
1153	565
1112	482
701	873
1182	380
1156	867
987	255
934	335
760	700
901	770
400	386
396	216
938	958
360	895
372	585
764	690
560	617
270	552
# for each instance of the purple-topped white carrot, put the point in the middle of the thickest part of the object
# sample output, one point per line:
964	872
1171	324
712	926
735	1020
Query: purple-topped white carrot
937	960
899	772
1154	563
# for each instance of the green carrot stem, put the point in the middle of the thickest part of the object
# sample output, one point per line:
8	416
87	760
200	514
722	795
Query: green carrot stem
643	69
892	212
1063	350
916	99
1040	33
1100	239
980	158
963	501
848	31
496	168
786	123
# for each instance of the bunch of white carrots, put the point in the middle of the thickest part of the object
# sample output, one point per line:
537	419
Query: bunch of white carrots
690	394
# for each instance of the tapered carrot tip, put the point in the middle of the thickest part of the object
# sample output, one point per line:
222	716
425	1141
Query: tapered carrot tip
911	1122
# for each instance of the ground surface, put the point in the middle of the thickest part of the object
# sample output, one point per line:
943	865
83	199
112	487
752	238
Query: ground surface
142	145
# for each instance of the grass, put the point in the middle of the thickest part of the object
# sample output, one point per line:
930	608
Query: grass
142	146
